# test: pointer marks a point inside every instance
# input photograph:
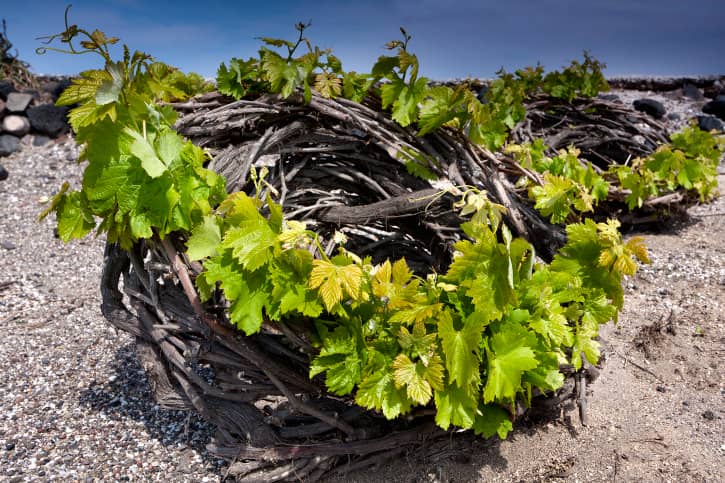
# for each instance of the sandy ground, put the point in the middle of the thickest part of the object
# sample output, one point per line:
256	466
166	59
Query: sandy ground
75	405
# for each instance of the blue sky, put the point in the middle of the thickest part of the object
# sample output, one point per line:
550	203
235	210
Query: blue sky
452	38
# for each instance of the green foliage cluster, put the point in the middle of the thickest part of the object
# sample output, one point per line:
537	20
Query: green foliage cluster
492	329
569	185
583	79
572	186
142	178
395	79
689	162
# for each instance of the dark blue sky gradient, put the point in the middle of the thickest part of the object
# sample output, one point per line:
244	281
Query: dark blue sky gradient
453	39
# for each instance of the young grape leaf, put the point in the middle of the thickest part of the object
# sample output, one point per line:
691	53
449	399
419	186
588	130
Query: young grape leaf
251	243
457	406
441	105
509	356
340	359
462	350
74	218
140	147
378	391
246	311
335	278
418	379
205	239
584	342
329	85
492	419
110	89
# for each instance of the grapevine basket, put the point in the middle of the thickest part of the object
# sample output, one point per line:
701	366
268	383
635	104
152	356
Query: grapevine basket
340	166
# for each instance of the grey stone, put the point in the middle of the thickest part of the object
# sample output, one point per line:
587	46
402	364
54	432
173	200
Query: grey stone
8	144
41	140
6	87
18	101
654	108
720	98
48	119
16	125
3	173
692	92
708	123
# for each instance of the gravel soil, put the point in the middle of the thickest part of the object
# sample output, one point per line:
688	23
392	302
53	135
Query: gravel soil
76	405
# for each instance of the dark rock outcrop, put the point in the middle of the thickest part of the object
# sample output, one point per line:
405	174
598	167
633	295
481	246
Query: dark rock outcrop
48	119
654	108
692	92
6	87
716	108
708	123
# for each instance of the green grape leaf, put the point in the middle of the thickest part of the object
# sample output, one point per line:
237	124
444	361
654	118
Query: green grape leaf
110	89
335	278
584	342
340	359
555	197
251	243
384	67
441	106
492	419
404	98
74	218
140	147
356	86
456	406
83	88
462	350
378	391
508	358
418	379
546	375
283	76
205	239
553	327
247	310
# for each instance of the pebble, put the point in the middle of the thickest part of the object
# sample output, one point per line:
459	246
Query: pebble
709	415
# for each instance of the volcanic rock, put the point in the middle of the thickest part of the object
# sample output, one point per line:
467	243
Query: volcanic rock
6	87
48	119
8	144
654	108
716	108
708	123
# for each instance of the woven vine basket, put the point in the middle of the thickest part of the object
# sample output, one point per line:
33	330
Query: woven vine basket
341	166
